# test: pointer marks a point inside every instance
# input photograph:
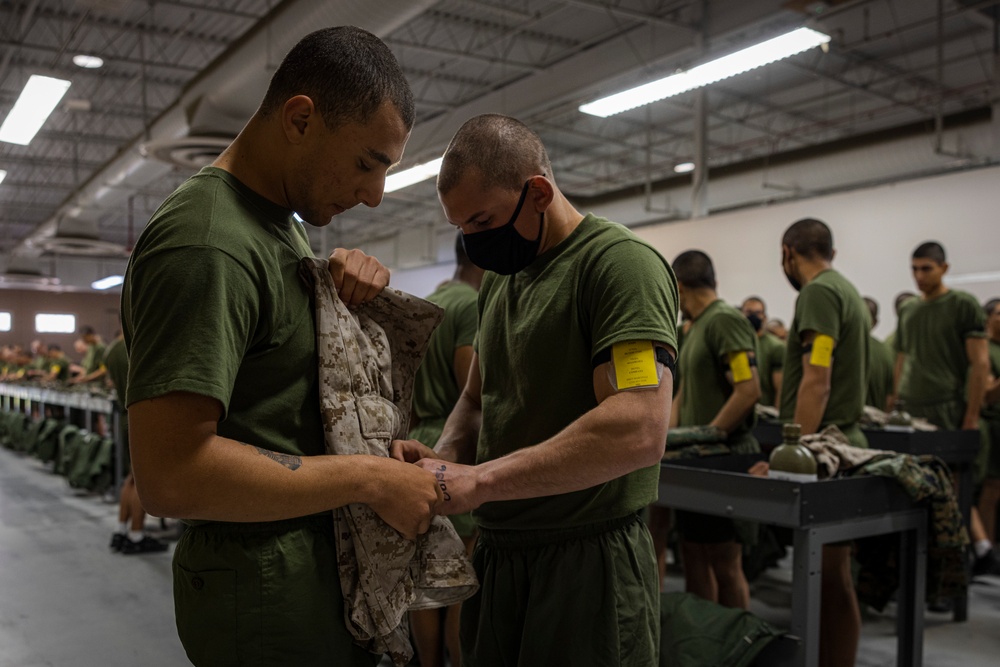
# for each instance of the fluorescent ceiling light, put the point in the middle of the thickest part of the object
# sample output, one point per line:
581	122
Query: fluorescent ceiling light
38	99
684	167
108	283
3	175
88	62
744	60
973	278
408	177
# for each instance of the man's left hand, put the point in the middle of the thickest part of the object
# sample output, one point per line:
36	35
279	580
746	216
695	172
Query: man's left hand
358	277
459	483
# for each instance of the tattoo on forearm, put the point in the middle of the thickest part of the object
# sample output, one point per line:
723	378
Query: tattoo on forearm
288	460
439	473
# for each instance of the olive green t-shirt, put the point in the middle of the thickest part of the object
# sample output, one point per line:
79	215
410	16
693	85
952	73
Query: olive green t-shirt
435	388
770	359
881	365
718	331
60	365
830	305
539	332
992	411
93	358
213	304
116	361
932	335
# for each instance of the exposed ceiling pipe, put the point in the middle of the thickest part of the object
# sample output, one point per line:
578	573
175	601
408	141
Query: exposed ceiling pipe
234	83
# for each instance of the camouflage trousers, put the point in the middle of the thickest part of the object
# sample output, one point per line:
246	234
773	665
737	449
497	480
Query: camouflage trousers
368	359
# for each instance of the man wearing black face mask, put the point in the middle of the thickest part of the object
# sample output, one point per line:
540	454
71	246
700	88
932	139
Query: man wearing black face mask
770	351
564	414
825	383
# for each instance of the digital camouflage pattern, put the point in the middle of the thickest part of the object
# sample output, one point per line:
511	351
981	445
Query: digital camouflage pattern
925	479
368	358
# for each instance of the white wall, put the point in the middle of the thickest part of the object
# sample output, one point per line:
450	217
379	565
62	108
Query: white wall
875	230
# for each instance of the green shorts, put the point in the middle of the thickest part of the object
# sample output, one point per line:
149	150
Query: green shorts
262	594
578	597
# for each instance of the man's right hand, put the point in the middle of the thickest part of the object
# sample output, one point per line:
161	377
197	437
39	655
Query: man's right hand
410	451
408	497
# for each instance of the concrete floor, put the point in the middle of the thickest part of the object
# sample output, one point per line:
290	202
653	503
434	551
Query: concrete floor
65	601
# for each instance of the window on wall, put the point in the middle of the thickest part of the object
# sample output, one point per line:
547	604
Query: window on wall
55	323
5	321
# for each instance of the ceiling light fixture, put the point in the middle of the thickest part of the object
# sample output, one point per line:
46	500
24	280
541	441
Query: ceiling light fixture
684	167
39	98
3	175
108	283
742	61
413	175
88	62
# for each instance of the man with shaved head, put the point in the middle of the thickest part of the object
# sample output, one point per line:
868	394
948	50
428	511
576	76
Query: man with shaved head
556	439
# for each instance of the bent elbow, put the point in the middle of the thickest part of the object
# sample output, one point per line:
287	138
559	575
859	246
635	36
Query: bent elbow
161	498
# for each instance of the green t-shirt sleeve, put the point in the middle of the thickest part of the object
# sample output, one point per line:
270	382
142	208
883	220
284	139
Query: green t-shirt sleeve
192	314
818	309
731	332
466	323
971	318
630	294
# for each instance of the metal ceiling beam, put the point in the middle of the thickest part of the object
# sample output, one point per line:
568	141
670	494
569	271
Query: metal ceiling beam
35	46
630	14
464	55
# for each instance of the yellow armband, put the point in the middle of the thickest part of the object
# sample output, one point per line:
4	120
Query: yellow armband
822	351
634	365
739	364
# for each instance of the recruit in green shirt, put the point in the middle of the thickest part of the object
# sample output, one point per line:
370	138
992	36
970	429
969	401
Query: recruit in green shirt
991	411
213	304
830	305
93	358
718	331
932	335
770	359
435	388
539	332
881	366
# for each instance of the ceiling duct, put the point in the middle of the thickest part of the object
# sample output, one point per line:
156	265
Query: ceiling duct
79	237
25	274
211	131
235	83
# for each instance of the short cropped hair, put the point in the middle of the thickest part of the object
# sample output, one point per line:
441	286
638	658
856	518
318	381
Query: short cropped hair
872	308
754	298
931	250
503	150
347	72
810	238
990	306
87	330
694	270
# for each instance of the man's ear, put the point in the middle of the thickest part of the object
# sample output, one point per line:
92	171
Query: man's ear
541	193
296	115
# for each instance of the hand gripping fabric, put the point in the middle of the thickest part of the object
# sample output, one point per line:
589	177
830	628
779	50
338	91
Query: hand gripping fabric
368	358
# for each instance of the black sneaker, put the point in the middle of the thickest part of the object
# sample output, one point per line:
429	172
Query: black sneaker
146	545
117	541
987	564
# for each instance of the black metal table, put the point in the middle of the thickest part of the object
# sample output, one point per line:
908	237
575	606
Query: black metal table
958	449
818	513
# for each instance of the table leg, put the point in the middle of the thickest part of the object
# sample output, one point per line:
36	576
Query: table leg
910	597
961	613
806	590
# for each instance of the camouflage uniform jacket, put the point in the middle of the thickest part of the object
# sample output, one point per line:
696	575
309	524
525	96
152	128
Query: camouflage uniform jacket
925	479
368	358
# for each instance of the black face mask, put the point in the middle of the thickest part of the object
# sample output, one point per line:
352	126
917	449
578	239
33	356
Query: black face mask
755	321
502	249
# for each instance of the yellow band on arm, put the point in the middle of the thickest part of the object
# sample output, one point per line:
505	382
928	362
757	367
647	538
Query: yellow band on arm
822	352
635	364
739	364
